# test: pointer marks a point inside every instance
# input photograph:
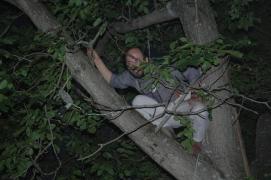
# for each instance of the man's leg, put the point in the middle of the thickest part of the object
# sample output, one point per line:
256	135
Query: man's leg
151	113
198	117
200	121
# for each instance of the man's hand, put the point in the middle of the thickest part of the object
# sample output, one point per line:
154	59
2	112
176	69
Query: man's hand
92	54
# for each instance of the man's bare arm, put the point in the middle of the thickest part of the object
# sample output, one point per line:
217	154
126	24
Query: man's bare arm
106	73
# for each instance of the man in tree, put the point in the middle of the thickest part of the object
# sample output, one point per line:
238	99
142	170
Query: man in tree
160	93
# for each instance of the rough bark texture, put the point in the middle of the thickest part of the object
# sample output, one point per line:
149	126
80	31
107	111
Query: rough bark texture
197	20
221	140
199	25
263	147
155	17
196	17
166	152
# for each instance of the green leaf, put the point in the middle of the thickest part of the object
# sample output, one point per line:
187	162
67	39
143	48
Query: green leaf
127	173
75	2
92	130
35	135
110	170
8	41
97	22
29	151
173	45
220	41
100	172
23	165
183	39
233	53
187	144
107	155
83	125
77	172
3	84
128	2
188	133
5	53
3	98
102	28
53	126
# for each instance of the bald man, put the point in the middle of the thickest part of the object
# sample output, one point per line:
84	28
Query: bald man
133	77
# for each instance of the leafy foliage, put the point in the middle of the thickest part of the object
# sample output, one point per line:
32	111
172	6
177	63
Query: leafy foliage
36	137
183	54
237	14
186	135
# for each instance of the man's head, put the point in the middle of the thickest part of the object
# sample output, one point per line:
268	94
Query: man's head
133	58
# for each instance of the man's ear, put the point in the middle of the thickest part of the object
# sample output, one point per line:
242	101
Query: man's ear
146	59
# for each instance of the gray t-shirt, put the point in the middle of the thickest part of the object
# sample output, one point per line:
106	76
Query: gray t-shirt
161	92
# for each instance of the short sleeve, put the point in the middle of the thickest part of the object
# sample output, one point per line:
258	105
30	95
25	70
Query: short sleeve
122	81
191	74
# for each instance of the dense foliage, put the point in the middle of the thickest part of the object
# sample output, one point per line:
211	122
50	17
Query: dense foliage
40	139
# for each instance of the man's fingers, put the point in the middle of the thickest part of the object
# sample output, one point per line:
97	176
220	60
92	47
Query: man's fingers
91	52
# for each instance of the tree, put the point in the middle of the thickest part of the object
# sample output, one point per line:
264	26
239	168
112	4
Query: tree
199	26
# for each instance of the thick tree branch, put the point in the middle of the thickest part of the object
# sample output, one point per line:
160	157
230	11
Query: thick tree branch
155	17
196	17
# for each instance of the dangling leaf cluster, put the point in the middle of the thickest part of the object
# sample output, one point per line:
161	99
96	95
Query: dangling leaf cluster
183	54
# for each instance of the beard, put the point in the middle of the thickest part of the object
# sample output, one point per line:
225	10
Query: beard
138	74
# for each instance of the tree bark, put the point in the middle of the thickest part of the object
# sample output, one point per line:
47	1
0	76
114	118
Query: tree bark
196	17
165	151
199	25
155	17
263	147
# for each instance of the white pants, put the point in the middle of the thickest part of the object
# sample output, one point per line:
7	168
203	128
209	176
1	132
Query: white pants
200	120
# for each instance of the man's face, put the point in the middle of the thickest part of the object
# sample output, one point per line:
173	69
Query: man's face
134	57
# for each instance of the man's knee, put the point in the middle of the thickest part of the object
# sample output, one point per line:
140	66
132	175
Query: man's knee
137	100
200	120
200	109
143	100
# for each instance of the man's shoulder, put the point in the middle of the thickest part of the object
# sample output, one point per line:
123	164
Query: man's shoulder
125	77
127	74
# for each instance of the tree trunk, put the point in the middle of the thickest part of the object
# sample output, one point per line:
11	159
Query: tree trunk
200	26
263	147
166	152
